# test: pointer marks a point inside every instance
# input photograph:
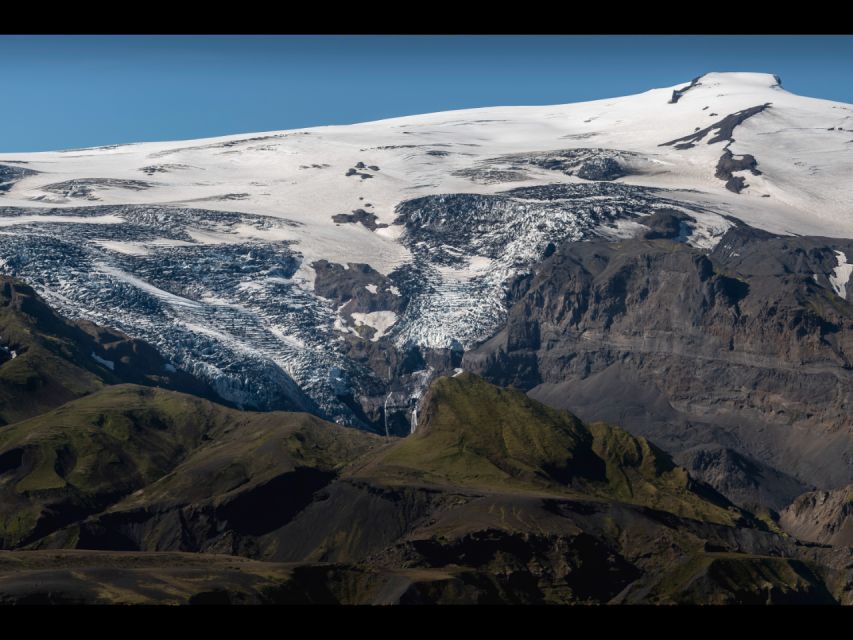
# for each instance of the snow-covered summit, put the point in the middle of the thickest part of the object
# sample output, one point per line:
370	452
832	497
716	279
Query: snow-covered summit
213	241
802	145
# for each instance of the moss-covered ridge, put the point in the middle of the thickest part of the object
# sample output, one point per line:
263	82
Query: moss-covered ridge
472	433
80	458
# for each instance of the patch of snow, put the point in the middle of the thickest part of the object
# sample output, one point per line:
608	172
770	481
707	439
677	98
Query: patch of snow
109	364
127	248
371	288
340	324
10	221
382	321
841	274
164	296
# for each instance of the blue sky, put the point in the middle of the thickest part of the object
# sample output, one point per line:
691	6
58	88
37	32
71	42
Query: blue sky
74	91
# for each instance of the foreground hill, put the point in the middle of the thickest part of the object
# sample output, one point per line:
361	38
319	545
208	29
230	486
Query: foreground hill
494	498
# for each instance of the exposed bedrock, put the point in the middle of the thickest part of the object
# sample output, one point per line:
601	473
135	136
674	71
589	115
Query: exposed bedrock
825	517
747	347
359	285
724	129
361	216
678	93
746	482
397	373
728	164
669	224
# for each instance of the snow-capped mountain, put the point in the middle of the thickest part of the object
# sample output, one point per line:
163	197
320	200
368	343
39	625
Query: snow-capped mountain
337	269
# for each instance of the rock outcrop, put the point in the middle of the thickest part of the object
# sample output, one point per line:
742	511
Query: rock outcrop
746	347
825	517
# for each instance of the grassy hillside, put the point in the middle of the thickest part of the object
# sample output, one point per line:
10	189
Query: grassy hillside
78	459
495	498
474	434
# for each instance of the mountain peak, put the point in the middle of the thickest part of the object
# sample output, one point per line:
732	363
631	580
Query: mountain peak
730	82
741	79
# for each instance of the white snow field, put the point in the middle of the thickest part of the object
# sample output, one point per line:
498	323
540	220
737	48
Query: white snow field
205	247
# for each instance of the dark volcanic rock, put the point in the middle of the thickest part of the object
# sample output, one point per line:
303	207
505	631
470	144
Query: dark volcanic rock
736	184
746	482
600	169
748	347
729	164
349	284
825	517
366	218
354	171
668	224
677	93
385	400
761	256
724	129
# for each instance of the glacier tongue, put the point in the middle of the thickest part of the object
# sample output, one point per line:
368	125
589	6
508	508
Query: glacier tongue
229	309
467	248
207	249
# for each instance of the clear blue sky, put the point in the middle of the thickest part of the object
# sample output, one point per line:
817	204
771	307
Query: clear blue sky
75	91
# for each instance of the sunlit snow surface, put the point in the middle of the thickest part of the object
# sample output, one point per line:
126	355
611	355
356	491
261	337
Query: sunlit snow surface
204	248
841	274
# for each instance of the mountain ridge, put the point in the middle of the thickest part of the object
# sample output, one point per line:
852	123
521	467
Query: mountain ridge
341	270
136	494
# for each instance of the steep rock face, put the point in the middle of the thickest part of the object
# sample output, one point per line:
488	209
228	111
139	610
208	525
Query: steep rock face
746	347
746	482
821	516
